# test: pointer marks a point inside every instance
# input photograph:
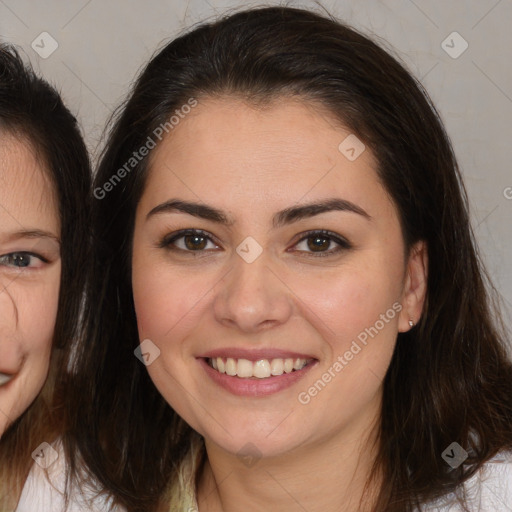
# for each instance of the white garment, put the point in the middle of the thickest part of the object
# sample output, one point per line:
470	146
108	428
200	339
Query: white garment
490	490
44	491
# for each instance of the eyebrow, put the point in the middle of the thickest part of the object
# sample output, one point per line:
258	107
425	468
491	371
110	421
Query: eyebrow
32	234
281	218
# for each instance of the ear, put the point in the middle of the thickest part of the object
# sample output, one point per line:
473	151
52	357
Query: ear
415	286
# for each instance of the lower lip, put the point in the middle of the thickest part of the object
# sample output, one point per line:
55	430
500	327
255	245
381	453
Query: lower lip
254	386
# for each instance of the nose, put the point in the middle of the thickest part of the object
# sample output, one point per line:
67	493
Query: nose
253	297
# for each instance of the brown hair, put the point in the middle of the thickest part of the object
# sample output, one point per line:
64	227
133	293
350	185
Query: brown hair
449	379
32	110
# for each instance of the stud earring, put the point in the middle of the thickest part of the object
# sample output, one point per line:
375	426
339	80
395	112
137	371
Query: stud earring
411	323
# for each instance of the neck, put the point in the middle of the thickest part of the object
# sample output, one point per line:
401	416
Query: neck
329	474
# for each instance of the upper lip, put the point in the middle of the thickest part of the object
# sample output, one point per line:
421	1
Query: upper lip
254	354
7	372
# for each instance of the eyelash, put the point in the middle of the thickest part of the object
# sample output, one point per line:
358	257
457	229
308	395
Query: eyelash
343	244
5	257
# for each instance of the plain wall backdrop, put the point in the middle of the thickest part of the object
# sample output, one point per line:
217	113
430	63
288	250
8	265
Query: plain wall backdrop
460	50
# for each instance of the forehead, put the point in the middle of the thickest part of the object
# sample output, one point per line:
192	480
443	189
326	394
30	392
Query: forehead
27	196
274	127
227	142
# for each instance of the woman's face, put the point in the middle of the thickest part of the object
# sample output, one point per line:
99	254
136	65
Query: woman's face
29	276
299	325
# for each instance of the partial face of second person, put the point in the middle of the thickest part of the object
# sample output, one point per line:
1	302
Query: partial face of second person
30	269
262	287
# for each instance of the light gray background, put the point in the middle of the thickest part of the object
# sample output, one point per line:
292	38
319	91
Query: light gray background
102	45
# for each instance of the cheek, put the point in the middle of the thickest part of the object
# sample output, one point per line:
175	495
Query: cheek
166	295
350	299
355	309
37	316
167	302
31	336
169	306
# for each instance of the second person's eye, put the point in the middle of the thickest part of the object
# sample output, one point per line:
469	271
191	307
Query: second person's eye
22	260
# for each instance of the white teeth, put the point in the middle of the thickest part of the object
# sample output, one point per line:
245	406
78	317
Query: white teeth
261	369
231	366
244	368
277	367
5	378
288	365
297	364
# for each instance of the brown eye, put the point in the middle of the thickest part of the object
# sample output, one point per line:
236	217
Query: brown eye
189	240
322	243
318	243
195	242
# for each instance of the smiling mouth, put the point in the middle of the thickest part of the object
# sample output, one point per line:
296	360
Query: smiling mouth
5	378
261	369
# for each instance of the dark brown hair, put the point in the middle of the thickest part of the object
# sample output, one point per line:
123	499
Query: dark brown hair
32	110
449	379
